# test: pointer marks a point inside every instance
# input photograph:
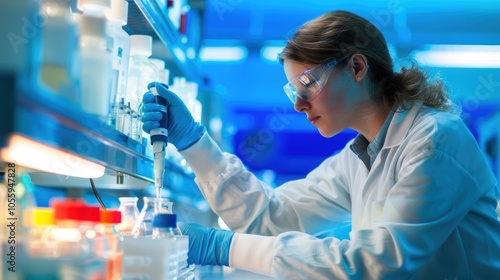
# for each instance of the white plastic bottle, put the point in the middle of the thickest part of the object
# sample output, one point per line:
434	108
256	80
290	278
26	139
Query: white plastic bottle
96	8
59	63
141	71
162	72
96	65
179	84
117	17
188	92
194	105
164	227
96	58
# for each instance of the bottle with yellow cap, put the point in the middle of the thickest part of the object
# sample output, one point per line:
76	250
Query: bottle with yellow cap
37	259
39	221
108	227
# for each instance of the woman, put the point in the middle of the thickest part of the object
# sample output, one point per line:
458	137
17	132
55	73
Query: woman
414	183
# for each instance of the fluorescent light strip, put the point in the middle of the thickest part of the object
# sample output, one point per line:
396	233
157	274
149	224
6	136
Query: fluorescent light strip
271	53
223	54
31	154
459	56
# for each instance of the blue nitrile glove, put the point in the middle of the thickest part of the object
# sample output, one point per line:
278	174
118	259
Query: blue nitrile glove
183	131
207	246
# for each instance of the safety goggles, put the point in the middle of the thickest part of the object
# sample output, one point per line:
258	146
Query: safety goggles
307	85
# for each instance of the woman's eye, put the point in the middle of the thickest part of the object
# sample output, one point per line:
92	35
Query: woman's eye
306	81
310	84
303	95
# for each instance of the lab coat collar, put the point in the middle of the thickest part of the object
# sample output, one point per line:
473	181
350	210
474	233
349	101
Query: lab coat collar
400	125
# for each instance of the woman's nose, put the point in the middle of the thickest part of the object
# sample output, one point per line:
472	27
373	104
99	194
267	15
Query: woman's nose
300	105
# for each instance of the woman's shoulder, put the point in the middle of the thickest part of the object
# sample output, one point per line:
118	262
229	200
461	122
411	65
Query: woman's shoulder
446	134
443	131
430	120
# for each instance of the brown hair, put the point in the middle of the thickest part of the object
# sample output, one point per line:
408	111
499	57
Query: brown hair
341	33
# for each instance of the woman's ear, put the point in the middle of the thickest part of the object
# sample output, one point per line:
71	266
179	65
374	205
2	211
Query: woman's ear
358	66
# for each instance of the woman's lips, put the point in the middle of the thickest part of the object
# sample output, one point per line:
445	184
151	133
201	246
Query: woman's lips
313	120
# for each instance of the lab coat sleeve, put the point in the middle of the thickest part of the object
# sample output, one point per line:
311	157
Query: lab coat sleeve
435	188
318	204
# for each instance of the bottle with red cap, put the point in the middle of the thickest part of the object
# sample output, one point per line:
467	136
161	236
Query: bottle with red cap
110	219
81	249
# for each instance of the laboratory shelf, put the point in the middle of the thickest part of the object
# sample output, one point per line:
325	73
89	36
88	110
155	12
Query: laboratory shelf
34	112
30	110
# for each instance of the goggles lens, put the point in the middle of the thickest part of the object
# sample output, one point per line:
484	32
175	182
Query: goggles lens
307	85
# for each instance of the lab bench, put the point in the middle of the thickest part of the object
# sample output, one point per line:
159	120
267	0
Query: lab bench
226	273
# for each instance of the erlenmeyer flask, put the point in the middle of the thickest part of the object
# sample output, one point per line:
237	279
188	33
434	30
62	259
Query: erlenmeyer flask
151	207
130	215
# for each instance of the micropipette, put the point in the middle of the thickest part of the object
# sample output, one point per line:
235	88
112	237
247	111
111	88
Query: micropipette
159	137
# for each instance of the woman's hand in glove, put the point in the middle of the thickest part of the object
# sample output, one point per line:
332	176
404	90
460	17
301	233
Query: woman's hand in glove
183	131
207	246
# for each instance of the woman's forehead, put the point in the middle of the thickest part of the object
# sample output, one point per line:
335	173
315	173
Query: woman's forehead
294	68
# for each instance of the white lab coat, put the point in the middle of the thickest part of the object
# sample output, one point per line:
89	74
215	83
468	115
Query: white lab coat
425	210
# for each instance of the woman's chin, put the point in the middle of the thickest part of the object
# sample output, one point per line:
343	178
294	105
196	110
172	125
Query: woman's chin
327	133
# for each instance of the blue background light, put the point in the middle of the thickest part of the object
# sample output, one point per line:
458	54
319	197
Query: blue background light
252	89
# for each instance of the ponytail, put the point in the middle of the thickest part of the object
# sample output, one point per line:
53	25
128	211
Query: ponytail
411	85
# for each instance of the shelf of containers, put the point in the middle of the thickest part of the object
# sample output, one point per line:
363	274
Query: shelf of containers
29	110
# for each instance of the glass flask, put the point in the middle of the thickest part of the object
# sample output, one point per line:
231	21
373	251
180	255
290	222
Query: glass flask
151	207
130	215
